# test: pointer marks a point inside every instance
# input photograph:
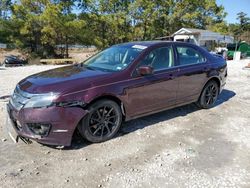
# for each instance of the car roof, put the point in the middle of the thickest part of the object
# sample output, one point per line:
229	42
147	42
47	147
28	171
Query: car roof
150	43
147	44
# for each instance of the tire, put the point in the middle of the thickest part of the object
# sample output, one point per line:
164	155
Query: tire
102	122
208	95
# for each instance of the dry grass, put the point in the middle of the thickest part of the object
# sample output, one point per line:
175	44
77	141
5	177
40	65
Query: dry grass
4	52
78	55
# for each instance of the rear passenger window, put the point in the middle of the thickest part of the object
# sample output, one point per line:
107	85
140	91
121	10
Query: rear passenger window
188	55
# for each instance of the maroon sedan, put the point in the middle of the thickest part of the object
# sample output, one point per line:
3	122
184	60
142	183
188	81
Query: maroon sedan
121	83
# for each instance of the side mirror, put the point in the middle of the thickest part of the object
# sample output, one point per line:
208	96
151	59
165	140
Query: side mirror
145	70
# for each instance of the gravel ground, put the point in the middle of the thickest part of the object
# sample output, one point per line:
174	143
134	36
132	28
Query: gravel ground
182	147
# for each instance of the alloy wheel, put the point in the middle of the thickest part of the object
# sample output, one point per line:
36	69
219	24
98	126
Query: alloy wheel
211	94
103	121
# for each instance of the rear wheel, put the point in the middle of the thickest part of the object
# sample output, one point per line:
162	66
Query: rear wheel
209	95
102	122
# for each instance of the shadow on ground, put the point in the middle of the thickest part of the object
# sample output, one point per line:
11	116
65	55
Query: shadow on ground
172	113
4	97
146	121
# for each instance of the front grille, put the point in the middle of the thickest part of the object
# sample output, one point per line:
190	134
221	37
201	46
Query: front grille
19	98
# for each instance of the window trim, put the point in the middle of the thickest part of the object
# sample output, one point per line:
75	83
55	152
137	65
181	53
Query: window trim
134	72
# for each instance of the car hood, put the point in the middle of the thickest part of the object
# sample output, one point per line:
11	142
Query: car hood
62	80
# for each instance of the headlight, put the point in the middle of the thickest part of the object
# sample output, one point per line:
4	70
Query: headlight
39	101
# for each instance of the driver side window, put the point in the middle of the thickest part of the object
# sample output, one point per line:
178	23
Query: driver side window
160	58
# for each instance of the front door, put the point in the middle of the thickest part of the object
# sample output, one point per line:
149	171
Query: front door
158	90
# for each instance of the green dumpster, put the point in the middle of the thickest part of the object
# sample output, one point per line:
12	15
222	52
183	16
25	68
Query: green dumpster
242	47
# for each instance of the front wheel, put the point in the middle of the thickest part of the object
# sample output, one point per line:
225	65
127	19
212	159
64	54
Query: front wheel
102	122
209	95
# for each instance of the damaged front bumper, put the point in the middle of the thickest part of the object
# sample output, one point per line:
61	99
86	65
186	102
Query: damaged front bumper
52	125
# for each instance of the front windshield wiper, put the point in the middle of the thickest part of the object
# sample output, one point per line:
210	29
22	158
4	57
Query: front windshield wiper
100	69
95	68
90	68
85	66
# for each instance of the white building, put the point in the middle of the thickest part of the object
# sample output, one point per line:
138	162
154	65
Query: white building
201	37
3	45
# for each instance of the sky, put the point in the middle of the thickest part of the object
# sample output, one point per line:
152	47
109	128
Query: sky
232	7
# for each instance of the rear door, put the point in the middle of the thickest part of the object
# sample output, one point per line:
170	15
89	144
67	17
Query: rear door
192	72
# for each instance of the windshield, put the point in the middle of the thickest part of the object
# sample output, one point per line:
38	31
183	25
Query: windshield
115	58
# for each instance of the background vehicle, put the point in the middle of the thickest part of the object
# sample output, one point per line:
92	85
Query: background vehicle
121	83
11	61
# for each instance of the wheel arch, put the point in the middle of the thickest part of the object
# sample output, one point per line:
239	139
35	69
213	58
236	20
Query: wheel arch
112	98
102	97
214	78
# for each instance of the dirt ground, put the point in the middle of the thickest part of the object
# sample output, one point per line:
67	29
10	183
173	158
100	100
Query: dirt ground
182	147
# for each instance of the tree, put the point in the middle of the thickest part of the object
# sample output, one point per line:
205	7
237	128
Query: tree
5	6
197	14
242	29
243	19
59	27
26	15
41	25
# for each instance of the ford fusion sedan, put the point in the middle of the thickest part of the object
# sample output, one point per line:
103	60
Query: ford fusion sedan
121	83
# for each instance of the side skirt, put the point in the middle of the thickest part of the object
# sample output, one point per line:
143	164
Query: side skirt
160	110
